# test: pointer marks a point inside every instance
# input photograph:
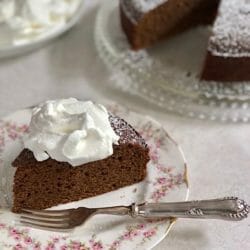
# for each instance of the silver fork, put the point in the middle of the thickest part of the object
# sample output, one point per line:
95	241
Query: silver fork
229	208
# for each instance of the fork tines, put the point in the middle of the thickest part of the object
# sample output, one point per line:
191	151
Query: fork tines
46	219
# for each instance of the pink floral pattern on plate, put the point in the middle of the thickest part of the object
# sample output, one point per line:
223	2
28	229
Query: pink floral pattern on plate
166	181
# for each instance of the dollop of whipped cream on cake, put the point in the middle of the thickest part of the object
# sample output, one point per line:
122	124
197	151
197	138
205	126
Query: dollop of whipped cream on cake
70	131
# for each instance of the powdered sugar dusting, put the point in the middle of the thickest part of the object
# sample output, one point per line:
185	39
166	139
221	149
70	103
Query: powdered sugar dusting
231	31
134	9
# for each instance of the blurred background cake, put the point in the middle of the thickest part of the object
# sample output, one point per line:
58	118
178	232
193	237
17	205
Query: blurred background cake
145	22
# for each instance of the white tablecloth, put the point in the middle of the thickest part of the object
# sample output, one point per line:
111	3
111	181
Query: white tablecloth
218	154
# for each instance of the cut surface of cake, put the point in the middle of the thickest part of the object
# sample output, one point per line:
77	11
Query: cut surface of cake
145	22
42	181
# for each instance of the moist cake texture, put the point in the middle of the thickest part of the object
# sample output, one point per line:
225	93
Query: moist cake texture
40	185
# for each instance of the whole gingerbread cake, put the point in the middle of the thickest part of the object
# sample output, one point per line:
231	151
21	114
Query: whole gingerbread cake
145	22
59	175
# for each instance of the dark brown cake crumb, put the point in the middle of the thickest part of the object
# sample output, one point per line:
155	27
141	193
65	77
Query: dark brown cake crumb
226	69
40	185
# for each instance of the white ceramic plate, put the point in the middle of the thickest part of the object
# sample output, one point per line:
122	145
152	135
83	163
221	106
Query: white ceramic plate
10	47
166	181
166	74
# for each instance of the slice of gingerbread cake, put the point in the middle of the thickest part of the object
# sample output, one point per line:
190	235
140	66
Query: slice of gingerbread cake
75	150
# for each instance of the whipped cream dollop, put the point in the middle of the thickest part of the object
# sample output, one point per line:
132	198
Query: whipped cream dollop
70	131
38	13
24	21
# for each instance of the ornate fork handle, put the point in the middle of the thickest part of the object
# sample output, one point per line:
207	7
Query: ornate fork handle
229	208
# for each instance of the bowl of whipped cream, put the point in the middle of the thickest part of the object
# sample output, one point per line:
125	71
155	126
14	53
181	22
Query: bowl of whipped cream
28	24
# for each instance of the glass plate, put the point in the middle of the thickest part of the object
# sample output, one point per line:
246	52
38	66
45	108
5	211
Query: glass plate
166	181
24	30
166	75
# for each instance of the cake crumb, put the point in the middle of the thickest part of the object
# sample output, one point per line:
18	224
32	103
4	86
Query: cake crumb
134	190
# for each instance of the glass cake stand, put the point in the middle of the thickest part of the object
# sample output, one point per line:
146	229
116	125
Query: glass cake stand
167	75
